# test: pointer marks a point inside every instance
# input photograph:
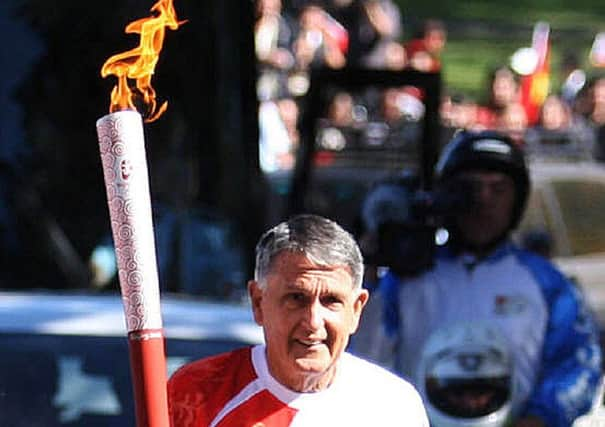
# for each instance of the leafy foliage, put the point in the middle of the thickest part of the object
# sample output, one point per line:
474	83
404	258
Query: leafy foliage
484	34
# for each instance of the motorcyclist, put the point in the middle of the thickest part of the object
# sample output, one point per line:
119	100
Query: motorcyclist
481	276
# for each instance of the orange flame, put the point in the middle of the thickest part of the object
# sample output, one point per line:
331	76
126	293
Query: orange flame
139	63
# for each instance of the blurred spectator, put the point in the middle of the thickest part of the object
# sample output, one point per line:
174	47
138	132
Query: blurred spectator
374	41
374	28
555	115
458	112
289	112
446	117
321	39
395	56
583	103
402	110
461	113
502	90
512	121
558	133
273	38
339	128
590	103
340	110
391	105
276	148
423	52
597	91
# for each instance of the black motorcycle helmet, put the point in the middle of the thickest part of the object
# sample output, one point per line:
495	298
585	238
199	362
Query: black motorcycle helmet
489	151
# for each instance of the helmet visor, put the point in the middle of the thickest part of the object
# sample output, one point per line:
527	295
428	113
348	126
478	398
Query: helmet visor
468	398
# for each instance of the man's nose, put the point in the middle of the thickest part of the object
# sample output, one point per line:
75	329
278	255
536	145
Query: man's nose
482	193
314	317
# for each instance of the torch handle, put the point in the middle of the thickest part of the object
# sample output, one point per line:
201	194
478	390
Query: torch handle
148	362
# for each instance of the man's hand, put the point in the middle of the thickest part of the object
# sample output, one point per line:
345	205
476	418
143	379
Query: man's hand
530	421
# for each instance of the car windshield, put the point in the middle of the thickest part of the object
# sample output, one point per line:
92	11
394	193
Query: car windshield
565	215
582	205
78	380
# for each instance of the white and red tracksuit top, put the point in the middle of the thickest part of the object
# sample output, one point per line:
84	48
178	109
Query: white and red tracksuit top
236	389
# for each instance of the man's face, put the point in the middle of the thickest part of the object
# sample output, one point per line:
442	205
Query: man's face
308	313
491	213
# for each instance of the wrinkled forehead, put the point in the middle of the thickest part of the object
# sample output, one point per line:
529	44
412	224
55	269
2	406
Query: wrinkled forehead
290	264
300	261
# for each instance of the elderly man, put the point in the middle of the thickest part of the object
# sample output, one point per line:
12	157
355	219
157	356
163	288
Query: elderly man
308	298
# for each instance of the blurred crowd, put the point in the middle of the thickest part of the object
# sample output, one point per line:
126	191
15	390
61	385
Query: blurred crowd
292	41
295	37
568	123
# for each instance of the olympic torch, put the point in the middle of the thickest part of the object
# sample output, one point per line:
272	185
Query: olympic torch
122	149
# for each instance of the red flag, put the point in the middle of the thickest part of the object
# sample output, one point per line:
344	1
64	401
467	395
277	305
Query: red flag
535	86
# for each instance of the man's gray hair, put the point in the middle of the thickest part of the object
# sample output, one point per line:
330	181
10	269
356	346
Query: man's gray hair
321	240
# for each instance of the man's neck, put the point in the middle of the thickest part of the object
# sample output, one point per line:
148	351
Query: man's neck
479	252
308	383
303	381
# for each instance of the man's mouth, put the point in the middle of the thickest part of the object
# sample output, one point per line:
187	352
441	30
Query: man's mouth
310	343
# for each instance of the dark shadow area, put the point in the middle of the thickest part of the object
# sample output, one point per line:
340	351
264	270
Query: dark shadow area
202	148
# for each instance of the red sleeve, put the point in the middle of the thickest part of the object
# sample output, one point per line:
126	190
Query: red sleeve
199	390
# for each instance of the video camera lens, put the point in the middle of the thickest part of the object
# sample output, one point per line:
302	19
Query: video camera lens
403	220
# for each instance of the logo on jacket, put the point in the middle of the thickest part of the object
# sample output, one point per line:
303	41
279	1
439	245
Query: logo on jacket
506	305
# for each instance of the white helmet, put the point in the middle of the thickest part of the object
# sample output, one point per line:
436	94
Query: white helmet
465	376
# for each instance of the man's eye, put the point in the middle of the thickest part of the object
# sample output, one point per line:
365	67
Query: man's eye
499	188
331	301
295	298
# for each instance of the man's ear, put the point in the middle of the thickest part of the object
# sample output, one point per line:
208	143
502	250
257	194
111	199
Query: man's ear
256	297
358	304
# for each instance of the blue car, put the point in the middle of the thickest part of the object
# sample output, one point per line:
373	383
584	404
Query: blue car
65	358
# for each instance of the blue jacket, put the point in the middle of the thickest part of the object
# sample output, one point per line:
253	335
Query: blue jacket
553	337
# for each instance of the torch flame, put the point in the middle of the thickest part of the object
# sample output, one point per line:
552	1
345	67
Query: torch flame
139	63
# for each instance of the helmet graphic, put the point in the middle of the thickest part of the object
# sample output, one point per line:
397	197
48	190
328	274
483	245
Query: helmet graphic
465	377
486	150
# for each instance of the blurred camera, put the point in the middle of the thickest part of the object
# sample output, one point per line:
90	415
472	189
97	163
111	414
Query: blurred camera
400	220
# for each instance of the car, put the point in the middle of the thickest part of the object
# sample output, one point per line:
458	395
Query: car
65	359
565	221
